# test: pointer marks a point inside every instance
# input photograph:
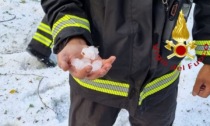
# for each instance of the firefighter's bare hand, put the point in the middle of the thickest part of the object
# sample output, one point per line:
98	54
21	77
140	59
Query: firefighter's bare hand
73	50
202	84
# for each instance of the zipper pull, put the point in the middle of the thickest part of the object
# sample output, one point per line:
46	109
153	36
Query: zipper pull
165	3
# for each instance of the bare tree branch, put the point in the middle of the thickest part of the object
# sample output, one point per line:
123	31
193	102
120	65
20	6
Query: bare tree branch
14	16
41	97
5	74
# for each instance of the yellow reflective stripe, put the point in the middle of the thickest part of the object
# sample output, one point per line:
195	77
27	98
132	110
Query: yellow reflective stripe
63	27
158	84
203	52
44	40
45	28
113	88
51	45
203	47
68	17
69	21
202	42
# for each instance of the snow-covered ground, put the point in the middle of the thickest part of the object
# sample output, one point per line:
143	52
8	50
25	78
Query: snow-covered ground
21	104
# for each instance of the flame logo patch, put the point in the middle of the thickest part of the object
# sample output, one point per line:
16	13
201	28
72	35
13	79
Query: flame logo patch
180	34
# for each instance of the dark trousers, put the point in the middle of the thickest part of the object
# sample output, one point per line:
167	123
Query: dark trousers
84	112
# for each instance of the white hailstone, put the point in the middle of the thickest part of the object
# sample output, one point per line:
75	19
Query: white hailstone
96	65
89	55
86	61
90	52
80	63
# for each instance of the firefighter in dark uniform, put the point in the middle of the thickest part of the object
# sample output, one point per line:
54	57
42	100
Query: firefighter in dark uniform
125	31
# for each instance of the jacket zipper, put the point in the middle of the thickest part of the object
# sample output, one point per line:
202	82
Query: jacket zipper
165	3
166	6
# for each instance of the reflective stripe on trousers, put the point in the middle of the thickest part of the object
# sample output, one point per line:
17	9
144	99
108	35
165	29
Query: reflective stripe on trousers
122	89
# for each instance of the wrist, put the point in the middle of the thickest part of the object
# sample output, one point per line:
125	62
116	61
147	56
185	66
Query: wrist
77	41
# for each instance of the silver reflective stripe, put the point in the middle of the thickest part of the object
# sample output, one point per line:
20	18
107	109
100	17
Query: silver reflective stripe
201	48
107	86
158	85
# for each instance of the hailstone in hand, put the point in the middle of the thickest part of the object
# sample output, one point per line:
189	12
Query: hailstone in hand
90	55
90	52
80	63
96	65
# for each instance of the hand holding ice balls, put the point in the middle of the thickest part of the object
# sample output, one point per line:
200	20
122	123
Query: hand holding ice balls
83	61
90	55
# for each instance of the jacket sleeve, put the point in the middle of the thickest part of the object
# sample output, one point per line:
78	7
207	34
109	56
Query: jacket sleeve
201	30
67	19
